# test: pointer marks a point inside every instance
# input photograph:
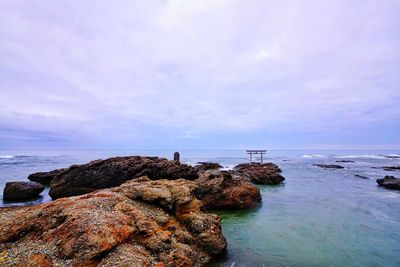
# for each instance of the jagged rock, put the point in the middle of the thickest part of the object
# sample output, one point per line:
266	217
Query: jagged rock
204	166
329	166
98	174
46	177
140	223
266	173
226	190
22	190
389	182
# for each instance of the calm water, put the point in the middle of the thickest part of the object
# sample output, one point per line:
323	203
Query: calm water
317	218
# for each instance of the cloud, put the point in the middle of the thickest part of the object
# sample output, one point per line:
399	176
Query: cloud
134	72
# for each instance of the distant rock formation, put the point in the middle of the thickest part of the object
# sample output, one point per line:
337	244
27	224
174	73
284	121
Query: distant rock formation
329	166
140	223
389	182
15	191
261	173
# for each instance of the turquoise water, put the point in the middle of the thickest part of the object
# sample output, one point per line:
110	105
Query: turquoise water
317	217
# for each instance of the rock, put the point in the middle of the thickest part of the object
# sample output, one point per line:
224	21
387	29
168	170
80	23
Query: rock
45	177
226	190
329	166
98	174
389	182
261	173
22	190
204	166
388	168
346	161
392	157
177	157
140	223
360	176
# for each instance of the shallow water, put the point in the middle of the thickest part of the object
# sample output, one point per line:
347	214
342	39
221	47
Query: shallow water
318	217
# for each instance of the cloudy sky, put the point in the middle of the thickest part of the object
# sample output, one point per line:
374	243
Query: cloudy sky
200	74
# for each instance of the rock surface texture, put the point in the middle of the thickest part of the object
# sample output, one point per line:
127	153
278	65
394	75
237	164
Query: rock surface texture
140	223
266	173
226	190
389	182
99	174
22	190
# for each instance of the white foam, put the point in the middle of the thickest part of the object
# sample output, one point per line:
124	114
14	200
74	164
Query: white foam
6	156
312	156
361	156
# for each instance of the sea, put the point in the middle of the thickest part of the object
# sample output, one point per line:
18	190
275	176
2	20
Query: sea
317	217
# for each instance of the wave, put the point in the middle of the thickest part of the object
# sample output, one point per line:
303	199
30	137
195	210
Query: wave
361	156
312	156
6	156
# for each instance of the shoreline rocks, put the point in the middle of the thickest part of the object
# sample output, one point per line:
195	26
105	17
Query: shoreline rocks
329	166
226	190
19	190
141	222
204	166
99	174
261	173
389	182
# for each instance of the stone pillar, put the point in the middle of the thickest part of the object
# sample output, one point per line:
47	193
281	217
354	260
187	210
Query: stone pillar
176	156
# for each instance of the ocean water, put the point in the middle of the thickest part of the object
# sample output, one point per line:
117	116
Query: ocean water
318	217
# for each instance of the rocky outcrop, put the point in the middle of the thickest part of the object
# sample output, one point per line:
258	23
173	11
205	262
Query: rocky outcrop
389	182
266	173
45	177
140	223
98	174
329	166
204	166
14	191
226	190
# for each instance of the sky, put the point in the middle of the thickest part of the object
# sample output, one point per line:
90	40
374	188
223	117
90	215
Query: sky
200	74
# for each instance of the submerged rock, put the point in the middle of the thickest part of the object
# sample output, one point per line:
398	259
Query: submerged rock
266	173
204	166
140	223
346	161
226	190
98	174
361	176
389	182
22	190
329	166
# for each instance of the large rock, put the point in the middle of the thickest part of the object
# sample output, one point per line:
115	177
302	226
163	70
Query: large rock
140	223
226	190
389	182
46	177
98	174
18	190
204	166
329	166
266	173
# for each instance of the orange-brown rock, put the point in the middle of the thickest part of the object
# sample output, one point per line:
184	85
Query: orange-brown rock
265	173
140	223
226	190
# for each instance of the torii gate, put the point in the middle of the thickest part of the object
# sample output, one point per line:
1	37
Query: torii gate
256	152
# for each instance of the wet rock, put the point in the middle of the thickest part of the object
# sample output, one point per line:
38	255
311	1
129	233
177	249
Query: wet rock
226	190
346	161
329	166
360	176
98	174
18	190
389	182
388	168
261	173
140	223
204	166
